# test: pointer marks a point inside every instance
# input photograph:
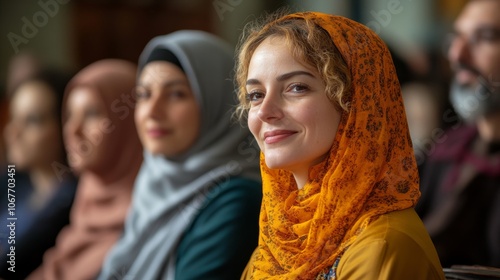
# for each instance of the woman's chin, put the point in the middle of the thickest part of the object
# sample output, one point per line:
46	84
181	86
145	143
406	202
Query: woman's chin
273	163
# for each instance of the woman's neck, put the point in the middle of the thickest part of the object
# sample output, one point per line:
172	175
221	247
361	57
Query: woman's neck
301	178
44	181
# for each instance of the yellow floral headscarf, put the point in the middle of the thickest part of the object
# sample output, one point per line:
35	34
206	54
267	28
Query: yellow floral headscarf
370	170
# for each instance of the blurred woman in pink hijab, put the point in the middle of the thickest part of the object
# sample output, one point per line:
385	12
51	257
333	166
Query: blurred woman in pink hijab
104	149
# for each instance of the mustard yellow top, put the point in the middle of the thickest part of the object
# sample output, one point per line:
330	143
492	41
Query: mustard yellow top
395	246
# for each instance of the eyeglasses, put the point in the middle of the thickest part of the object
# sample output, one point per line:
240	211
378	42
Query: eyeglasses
482	36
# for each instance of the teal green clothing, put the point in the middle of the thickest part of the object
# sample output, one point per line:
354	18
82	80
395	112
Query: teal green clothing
222	237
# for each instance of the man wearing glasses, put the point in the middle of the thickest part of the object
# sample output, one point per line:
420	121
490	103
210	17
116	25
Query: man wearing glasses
460	203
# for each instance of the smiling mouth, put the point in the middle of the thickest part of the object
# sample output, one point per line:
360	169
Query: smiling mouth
157	133
276	136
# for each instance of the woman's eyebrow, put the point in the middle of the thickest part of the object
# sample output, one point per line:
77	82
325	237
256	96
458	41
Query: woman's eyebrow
292	74
281	77
174	83
252	82
165	84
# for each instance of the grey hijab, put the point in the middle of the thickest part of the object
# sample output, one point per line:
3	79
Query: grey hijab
168	193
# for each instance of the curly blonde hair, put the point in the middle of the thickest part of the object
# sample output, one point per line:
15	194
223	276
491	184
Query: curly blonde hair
308	42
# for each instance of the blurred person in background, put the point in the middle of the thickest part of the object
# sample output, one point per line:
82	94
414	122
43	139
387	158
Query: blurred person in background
425	107
4	118
22	66
105	151
423	76
460	203
197	197
43	197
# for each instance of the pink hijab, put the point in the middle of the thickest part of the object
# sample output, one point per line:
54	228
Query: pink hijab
102	200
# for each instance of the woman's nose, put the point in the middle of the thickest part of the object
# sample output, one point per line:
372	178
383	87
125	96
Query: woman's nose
155	106
73	127
271	107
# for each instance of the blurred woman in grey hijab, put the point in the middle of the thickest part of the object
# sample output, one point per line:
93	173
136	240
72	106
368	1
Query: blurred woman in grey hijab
197	196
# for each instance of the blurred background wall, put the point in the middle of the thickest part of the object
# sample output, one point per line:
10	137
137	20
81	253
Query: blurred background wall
70	34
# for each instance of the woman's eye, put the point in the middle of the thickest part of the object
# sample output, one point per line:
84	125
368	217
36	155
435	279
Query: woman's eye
298	87
254	96
34	120
177	94
91	113
141	94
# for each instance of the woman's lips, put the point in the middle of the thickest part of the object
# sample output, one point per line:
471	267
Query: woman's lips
158	132
276	136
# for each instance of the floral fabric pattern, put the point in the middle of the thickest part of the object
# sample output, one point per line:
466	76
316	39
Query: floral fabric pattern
371	169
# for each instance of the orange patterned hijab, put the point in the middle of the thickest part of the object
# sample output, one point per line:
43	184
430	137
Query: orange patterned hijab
370	170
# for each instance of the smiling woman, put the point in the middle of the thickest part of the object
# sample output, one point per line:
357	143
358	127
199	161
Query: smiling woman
167	112
290	115
339	176
196	203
